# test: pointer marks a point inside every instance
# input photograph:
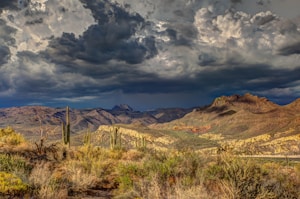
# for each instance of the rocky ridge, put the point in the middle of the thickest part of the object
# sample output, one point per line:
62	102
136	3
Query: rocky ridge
31	120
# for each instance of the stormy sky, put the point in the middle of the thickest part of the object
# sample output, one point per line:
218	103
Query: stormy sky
147	53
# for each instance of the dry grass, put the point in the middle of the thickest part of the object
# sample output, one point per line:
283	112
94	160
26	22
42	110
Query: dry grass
147	174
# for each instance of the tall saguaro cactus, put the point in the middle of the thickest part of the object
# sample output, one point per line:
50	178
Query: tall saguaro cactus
115	137
87	138
66	128
143	142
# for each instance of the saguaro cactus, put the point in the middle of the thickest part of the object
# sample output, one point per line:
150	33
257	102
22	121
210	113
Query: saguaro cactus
143	142
87	138
115	136
140	142
66	128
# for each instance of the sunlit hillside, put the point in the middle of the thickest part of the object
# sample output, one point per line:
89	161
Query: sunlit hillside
245	124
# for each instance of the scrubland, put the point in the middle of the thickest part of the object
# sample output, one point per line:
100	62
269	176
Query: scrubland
52	170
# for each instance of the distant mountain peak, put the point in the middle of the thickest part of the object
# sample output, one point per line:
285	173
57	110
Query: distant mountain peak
122	107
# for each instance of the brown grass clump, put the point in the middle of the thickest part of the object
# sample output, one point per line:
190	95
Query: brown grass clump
133	155
48	181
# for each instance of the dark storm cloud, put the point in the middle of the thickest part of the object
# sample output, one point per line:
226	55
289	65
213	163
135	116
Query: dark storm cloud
6	39
6	34
100	44
112	38
290	49
35	21
182	34
105	12
206	59
165	47
264	20
8	4
236	1
4	54
241	79
33	82
27	81
224	81
177	16
263	2
72	81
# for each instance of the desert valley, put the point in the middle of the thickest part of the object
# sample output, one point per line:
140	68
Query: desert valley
228	149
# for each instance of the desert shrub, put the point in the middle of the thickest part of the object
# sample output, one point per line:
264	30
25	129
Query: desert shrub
89	167
40	175
79	174
184	167
6	131
159	174
163	166
10	184
152	189
236	177
243	177
282	181
10	163
136	176
10	137
49	182
96	161
190	169
297	168
15	164
133	155
129	174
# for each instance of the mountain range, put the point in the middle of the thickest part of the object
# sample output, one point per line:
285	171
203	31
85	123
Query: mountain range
34	120
243	122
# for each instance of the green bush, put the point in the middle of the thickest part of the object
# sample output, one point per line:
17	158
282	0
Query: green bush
10	137
13	163
128	175
10	184
16	165
244	177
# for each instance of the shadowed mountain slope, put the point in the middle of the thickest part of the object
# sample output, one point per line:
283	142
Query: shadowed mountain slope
34	120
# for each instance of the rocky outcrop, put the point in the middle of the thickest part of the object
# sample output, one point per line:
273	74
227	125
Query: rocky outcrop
155	141
247	102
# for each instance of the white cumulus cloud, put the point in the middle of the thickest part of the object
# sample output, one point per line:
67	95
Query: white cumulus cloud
37	21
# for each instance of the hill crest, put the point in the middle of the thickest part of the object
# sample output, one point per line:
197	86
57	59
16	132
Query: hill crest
247	102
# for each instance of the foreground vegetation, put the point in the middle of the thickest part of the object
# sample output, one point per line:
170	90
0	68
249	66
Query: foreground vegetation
52	170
